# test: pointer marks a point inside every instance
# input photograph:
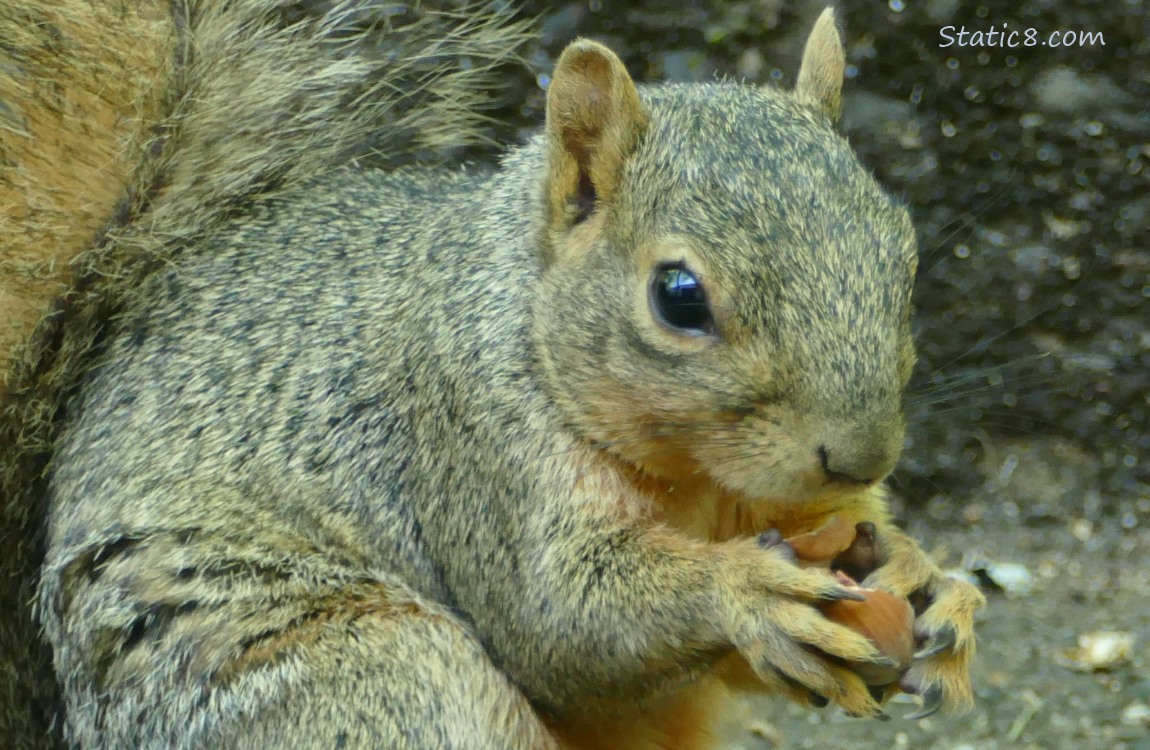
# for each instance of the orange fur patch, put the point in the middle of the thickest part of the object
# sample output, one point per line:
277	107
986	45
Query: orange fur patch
685	720
696	506
80	86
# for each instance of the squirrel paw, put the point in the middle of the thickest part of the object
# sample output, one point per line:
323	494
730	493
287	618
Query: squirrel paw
788	643
944	633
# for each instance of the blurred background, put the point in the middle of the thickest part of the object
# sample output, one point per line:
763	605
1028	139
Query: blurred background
1027	171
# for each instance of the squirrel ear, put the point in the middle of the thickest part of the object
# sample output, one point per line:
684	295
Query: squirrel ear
594	120
824	63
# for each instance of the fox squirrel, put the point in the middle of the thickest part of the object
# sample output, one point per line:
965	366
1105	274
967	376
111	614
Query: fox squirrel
427	458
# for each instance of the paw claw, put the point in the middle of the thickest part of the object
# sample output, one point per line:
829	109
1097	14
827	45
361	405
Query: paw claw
944	639
879	714
931	702
840	594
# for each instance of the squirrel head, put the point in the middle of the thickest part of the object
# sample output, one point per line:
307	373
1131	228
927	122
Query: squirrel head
726	290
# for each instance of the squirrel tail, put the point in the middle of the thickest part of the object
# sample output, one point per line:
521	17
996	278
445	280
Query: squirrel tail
129	128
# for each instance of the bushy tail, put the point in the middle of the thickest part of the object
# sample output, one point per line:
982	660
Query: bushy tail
128	128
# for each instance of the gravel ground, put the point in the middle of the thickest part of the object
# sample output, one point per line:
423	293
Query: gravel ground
1027	170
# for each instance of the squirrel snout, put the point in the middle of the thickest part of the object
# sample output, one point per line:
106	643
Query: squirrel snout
863	463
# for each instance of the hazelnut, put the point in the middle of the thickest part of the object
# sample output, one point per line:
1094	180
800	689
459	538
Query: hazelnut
819	547
888	621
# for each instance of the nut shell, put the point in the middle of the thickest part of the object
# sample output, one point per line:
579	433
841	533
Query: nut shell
888	621
846	549
819	547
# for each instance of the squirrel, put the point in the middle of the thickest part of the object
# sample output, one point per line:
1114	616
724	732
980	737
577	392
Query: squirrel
457	458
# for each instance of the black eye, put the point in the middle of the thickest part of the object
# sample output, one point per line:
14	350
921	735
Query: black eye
678	299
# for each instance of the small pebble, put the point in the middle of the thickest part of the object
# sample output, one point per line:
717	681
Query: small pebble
1014	579
1136	715
1098	651
1081	529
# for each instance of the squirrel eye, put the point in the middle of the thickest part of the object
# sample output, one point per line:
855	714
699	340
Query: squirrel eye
679	301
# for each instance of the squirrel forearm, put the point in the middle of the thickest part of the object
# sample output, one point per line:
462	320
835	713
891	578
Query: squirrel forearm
611	614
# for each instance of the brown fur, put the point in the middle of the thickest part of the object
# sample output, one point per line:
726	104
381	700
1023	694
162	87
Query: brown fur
77	106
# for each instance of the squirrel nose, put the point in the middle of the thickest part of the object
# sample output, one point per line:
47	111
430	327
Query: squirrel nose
863	466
